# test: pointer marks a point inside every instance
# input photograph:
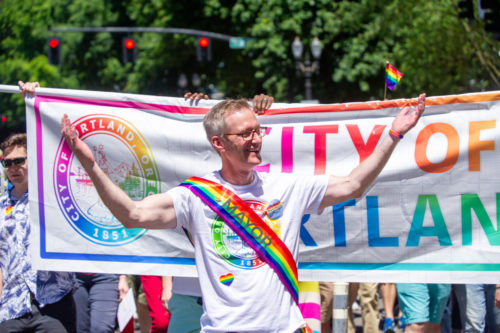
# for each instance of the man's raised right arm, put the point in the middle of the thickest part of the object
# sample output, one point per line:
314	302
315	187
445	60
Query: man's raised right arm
153	212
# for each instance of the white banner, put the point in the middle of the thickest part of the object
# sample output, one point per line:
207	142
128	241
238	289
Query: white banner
431	216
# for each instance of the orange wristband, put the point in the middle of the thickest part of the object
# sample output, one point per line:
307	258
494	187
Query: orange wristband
395	134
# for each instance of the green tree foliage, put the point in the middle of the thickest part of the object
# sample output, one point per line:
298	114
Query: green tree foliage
437	52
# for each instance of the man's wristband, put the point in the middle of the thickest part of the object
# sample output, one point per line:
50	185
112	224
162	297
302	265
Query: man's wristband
395	134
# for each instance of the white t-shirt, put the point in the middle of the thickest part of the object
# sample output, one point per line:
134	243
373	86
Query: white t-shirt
240	292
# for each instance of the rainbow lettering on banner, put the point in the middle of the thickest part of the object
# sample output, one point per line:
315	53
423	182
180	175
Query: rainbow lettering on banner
250	228
8	212
392	76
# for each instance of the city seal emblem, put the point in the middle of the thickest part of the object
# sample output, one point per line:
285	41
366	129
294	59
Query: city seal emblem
230	247
124	155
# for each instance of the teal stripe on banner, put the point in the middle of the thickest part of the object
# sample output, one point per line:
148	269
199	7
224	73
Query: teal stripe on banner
403	266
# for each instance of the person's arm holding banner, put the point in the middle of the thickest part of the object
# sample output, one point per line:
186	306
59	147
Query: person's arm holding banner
355	184
27	88
260	102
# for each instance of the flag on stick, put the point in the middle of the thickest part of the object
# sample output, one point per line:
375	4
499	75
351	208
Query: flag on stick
392	76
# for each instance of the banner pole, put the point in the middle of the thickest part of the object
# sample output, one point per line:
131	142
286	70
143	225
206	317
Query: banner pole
385	81
9	89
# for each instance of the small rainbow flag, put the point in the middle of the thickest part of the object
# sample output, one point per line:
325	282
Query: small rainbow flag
8	212
392	76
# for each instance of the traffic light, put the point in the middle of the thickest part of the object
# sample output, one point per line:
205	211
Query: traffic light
54	53
466	9
204	49
491	15
4	119
128	50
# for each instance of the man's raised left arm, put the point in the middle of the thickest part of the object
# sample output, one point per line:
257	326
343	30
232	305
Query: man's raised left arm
355	184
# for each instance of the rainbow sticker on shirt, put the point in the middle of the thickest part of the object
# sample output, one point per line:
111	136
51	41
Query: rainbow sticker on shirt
274	209
8	212
125	156
226	279
230	247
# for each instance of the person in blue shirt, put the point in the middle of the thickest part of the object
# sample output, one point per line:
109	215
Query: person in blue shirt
34	301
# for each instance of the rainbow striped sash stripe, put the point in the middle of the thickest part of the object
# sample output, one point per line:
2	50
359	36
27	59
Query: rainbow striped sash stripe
392	76
249	227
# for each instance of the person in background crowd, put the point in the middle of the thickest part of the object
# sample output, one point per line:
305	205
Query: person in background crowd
185	305
34	301
3	187
476	303
497	297
368	301
423	305
144	320
368	298
389	294
96	301
156	289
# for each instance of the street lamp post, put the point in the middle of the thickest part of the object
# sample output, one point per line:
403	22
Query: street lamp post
306	67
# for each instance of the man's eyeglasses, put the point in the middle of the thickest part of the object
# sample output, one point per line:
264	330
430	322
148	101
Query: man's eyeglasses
19	161
248	135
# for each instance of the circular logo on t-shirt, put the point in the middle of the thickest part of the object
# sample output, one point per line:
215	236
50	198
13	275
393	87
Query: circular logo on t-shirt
230	247
135	172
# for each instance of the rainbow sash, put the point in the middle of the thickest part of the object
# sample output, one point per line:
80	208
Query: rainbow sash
250	227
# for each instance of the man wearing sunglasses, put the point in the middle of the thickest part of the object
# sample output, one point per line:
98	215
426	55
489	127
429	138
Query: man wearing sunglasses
251	298
34	301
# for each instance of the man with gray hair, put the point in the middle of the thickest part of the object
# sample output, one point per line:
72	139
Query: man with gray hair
260	213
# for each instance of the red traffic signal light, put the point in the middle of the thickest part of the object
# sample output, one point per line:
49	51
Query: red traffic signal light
54	51
129	44
4	119
128	50
53	43
204	42
204	49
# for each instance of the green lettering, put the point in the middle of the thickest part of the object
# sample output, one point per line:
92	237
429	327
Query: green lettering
471	202
417	229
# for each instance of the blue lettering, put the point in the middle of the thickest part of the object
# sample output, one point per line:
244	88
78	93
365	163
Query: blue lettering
339	222
374	238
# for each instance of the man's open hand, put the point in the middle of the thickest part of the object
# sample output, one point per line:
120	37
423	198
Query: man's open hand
406	120
79	148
